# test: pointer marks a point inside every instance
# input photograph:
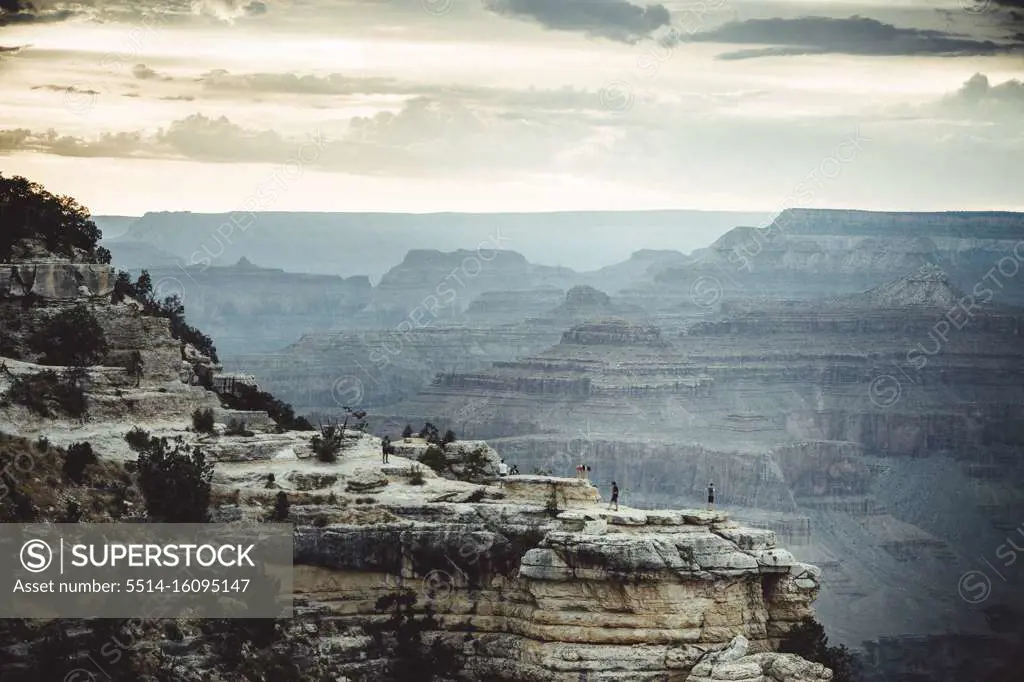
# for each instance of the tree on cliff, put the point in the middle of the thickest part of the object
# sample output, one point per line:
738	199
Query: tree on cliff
71	338
175	481
63	226
809	641
400	640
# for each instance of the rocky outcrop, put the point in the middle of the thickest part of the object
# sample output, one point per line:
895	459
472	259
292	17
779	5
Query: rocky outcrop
55	280
735	664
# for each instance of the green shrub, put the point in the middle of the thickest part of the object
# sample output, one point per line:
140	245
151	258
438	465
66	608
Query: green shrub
282	508
327	444
72	338
236	427
137	438
430	433
174	480
49	394
407	431
202	420
809	641
78	458
449	437
434	458
415	476
398	641
254	400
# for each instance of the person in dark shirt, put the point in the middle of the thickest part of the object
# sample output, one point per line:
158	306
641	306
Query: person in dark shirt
615	496
711	496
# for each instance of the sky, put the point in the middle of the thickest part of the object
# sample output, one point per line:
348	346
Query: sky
516	105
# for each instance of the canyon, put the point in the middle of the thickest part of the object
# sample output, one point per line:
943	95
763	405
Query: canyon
532	579
850	380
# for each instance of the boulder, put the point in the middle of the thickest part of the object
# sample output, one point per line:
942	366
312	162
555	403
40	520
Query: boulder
366	481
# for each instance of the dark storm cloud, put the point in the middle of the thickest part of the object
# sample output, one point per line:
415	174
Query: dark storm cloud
854	35
21	12
612	19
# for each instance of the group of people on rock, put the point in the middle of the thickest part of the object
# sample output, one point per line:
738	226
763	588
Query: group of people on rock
582	473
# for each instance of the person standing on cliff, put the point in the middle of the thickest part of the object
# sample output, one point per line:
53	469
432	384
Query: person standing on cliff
711	496
615	496
385	449
502	473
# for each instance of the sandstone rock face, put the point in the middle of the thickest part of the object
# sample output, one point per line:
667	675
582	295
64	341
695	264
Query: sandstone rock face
645	597
55	280
734	664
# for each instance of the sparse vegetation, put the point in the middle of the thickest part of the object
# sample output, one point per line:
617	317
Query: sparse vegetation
71	338
477	464
170	307
449	437
407	432
282	508
202	421
49	394
808	640
78	458
399	640
358	415
175	481
415	476
327	444
254	400
430	434
434	458
236	427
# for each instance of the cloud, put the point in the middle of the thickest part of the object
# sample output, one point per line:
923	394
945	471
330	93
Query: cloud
229	10
855	35
979	100
143	72
21	12
423	137
612	19
336	84
66	88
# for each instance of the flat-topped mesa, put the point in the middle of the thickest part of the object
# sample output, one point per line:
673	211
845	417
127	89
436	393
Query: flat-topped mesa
973	225
614	332
55	279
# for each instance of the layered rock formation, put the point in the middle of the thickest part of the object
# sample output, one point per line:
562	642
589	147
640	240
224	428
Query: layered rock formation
807	253
322	372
